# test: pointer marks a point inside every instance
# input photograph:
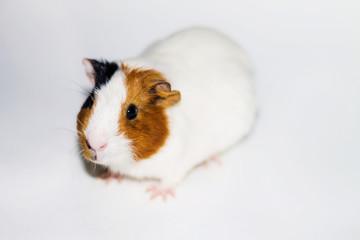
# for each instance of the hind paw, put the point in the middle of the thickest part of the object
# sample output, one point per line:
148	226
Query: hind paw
214	158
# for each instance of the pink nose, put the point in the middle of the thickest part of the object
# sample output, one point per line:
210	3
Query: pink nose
101	148
96	147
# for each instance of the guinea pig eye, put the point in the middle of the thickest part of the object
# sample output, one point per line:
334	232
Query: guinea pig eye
131	112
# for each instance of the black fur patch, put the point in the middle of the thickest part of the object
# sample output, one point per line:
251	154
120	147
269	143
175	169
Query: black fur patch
89	101
103	73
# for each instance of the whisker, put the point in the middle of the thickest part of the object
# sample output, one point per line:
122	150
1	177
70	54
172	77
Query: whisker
56	80
83	88
81	133
92	97
66	129
80	122
74	148
94	168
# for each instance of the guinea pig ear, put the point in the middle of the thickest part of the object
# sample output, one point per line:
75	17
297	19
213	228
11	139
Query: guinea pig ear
163	95
99	72
89	70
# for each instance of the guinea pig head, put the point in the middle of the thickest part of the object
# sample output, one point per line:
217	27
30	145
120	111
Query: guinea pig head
124	118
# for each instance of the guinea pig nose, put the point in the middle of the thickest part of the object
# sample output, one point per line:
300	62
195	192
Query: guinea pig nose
102	147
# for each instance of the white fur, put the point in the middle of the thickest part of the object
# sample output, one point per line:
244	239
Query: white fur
103	125
217	106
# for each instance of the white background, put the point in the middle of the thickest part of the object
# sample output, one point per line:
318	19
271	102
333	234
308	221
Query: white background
296	177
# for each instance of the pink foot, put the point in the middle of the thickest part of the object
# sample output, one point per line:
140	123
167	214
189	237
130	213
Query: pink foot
107	176
215	159
160	190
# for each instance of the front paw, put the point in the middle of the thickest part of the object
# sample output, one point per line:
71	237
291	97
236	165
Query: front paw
108	176
160	190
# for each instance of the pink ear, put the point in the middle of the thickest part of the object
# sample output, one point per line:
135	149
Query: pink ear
167	98
89	70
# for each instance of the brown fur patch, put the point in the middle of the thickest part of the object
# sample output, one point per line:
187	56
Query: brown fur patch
151	93
82	122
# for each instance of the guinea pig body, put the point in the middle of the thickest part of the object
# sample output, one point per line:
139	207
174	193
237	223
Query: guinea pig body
137	125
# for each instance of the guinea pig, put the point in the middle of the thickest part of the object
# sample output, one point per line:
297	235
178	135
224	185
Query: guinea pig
185	99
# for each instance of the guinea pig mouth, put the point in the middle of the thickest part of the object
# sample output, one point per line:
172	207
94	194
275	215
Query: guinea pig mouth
89	155
94	158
